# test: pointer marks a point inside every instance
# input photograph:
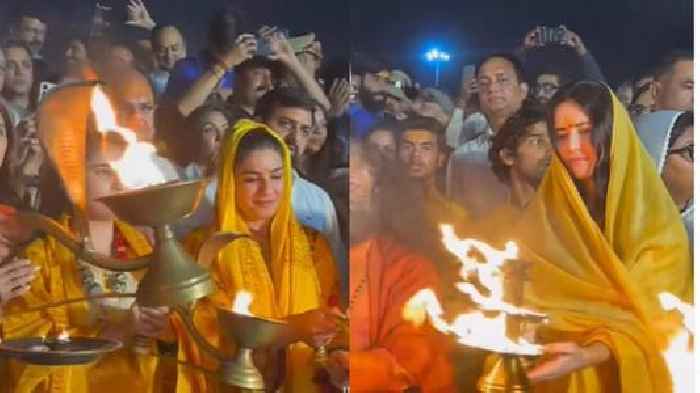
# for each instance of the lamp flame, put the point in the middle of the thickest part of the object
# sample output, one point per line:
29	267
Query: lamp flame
474	328
139	165
679	353
63	336
242	302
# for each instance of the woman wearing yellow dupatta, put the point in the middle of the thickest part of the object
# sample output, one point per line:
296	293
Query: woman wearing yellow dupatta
288	269
608	240
61	276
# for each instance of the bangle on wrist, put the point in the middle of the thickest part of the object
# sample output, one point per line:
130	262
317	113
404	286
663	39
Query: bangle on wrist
218	70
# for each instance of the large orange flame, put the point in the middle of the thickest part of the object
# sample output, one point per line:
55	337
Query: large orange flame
679	353
474	328
140	166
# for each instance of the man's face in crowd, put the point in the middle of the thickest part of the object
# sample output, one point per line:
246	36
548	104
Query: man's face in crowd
547	86
169	48
499	89
19	72
31	32
254	83
384	142
213	127
420	154
294	125
135	106
120	57
532	156
371	92
76	54
674	90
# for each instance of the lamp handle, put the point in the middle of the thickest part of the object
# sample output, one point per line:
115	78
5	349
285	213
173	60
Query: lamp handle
54	229
211	247
184	314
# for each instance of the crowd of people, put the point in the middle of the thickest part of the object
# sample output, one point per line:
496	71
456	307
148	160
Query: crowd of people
341	171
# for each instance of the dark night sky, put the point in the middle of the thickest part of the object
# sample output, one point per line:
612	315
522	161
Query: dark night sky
624	35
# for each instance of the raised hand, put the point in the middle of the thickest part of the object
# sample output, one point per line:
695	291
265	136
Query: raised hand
138	15
280	48
245	47
530	41
574	40
339	96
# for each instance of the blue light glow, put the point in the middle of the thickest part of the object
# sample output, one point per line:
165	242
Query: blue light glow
437	55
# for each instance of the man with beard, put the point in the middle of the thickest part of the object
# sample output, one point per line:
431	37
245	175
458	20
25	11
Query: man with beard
387	352
253	79
520	154
370	90
29	29
422	154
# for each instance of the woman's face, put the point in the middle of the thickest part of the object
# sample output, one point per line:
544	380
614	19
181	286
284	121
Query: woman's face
213	126
100	180
678	168
572	130
318	134
259	184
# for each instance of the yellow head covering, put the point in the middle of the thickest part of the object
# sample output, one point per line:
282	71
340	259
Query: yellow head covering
601	284
291	286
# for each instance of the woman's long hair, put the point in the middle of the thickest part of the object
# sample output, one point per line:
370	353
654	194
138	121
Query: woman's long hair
5	189
594	98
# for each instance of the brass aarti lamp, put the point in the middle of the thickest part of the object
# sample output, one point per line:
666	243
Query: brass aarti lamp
173	279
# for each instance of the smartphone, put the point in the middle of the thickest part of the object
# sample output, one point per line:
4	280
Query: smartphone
468	72
44	89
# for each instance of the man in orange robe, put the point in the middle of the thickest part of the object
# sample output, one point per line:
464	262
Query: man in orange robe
387	353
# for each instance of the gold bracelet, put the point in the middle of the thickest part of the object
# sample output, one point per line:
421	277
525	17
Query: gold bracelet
218	70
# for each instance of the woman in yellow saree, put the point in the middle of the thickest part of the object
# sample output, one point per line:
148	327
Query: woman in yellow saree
62	276
288	269
608	240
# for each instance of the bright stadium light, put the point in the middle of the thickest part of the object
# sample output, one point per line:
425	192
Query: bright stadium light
437	56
